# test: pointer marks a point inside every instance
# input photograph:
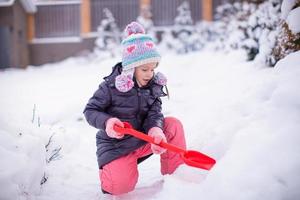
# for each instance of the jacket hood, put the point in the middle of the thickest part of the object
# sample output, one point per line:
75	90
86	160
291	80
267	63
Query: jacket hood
116	70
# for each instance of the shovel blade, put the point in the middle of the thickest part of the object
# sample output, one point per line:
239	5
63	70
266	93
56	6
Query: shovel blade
197	159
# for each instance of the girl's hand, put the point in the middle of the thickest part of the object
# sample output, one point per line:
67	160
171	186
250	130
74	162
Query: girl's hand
110	128
158	136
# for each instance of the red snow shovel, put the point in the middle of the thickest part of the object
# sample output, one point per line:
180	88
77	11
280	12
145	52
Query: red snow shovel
190	157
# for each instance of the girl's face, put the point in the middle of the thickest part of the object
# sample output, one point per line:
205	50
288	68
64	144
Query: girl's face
144	73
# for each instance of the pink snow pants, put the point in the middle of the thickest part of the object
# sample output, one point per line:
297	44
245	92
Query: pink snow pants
121	175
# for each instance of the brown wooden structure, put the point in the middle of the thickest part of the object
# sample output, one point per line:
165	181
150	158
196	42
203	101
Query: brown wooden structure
14	48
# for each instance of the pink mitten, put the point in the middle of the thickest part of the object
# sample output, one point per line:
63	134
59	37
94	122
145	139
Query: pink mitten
158	136
110	128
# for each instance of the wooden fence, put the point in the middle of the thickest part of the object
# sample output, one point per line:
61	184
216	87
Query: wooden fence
57	20
63	19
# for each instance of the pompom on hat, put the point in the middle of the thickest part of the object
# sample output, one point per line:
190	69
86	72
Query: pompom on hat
138	49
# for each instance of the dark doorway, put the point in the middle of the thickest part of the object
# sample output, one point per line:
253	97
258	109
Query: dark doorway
4	47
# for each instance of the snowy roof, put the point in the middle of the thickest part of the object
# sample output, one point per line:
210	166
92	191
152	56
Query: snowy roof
29	5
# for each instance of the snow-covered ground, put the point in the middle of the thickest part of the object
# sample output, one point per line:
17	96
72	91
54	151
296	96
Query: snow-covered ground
243	114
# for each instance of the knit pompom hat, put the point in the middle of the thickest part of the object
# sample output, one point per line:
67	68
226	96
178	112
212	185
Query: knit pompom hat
138	49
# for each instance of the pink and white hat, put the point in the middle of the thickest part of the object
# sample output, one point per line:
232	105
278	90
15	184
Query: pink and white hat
138	49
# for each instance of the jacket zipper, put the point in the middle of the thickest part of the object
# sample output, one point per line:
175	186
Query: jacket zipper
139	105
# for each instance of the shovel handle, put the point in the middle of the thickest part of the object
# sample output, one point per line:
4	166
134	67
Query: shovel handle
190	157
148	138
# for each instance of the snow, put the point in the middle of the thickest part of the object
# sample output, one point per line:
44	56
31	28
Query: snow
108	39
56	40
5	3
243	114
290	15
60	2
286	7
293	20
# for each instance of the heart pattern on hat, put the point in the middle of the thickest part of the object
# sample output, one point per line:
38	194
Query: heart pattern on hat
149	44
130	48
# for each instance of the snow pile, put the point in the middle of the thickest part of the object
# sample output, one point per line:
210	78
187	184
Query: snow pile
22	163
243	114
31	138
289	35
286	7
26	147
290	12
262	160
293	20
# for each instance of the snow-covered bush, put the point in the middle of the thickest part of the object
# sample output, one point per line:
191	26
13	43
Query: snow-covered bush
206	33
182	37
262	30
145	19
251	26
109	36
231	24
167	40
289	36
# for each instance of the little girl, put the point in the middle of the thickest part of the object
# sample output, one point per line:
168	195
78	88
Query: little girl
132	93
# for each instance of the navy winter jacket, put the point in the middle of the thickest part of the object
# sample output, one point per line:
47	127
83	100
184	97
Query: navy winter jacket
140	106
